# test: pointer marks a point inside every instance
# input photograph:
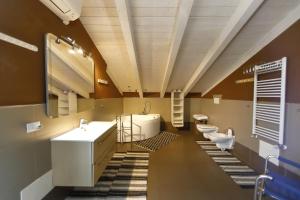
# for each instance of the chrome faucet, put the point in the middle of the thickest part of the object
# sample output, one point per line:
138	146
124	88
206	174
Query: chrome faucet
83	124
145	111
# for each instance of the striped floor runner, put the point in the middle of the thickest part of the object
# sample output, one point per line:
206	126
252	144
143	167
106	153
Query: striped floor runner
124	178
158	141
240	173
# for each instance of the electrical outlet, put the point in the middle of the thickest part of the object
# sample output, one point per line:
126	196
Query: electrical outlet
217	98
33	127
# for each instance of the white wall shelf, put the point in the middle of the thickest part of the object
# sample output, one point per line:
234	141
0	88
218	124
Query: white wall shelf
177	108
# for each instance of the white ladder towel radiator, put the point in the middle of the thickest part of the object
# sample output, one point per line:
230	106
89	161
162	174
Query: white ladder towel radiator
268	118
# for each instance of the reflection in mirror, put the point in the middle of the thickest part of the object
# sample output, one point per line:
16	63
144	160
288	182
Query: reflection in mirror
84	104
53	104
69	77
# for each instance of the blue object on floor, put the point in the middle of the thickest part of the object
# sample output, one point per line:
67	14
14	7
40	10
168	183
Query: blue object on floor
278	186
282	187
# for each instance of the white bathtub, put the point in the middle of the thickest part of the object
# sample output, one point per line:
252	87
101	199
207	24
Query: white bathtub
144	127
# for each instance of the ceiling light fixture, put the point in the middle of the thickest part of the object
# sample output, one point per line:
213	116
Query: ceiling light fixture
69	39
74	46
57	40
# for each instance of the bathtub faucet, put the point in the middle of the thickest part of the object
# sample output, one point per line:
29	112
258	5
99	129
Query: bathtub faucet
147	105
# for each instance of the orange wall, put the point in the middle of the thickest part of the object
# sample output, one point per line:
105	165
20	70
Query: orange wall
285	45
22	79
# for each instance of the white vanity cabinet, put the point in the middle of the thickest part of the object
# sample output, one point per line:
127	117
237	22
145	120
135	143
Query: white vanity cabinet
79	157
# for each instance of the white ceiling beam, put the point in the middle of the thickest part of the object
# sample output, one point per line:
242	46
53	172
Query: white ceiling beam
241	16
114	80
125	18
182	19
284	24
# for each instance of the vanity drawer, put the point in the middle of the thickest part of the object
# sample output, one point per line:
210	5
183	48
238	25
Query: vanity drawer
102	145
80	162
101	164
105	135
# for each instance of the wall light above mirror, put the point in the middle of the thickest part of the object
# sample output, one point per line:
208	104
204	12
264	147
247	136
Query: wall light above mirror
69	77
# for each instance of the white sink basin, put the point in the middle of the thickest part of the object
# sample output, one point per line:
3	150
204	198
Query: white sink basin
93	130
100	125
200	117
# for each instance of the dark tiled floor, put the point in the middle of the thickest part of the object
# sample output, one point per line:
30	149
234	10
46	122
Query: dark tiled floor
182	171
58	193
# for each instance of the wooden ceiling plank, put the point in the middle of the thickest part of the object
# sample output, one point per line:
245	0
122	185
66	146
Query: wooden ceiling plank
128	33
241	16
182	19
114	80
284	24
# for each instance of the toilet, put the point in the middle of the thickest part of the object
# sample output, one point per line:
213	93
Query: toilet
223	141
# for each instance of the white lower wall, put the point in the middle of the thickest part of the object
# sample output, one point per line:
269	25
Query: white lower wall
39	188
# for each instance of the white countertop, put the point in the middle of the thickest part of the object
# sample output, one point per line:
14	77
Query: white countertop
93	131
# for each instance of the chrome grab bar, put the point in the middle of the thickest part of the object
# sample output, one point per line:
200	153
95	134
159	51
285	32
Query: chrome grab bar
259	186
267	161
260	181
121	128
289	188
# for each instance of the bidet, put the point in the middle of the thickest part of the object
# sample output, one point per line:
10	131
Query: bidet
222	140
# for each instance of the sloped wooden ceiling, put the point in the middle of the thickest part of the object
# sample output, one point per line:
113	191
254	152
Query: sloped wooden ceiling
273	17
158	46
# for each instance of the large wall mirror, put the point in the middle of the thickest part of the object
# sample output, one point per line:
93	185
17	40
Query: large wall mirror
69	77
